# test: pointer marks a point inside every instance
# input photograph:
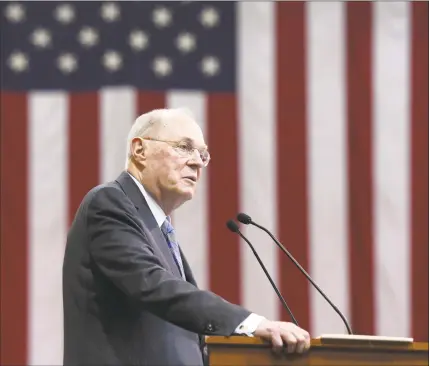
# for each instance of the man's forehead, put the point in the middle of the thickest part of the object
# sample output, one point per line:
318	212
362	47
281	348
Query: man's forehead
181	127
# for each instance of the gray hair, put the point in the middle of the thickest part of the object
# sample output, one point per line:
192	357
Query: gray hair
145	123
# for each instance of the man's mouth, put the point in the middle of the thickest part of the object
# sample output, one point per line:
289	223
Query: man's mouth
193	179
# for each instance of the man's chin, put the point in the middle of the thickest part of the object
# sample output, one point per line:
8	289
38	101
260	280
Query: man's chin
186	192
182	196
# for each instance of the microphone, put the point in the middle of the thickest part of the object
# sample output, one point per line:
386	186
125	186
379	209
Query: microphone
246	219
233	227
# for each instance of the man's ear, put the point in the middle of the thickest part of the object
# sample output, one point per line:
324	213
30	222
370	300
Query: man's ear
138	150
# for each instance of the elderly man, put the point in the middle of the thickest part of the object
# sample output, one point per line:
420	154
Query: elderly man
130	297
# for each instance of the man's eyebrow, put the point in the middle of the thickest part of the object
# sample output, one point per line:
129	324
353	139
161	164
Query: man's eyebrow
191	142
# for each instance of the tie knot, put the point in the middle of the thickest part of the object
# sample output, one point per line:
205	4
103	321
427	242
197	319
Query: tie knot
167	226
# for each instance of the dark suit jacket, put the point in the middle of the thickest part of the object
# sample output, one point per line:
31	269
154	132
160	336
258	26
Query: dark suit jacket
125	302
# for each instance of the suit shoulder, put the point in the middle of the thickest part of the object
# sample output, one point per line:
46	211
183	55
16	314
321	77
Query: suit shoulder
106	194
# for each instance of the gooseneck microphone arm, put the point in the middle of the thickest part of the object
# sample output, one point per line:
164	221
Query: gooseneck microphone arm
233	227
246	219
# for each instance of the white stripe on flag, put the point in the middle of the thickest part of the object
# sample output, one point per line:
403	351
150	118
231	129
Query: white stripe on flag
47	225
327	164
117	114
391	169
257	151
190	219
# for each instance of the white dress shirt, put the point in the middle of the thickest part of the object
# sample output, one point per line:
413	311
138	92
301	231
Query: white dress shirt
250	324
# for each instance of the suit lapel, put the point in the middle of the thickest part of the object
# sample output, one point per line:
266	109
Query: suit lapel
187	269
133	192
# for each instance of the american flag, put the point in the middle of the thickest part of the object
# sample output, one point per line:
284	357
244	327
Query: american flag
316	115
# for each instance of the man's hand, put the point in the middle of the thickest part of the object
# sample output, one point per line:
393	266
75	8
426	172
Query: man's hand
282	333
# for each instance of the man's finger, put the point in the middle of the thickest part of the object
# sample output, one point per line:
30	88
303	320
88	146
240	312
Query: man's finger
301	342
307	340
303	339
290	339
277	342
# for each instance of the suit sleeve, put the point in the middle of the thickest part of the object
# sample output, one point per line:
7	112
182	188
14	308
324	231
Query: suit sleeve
121	250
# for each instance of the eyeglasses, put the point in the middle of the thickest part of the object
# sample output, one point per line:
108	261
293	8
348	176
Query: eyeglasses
185	149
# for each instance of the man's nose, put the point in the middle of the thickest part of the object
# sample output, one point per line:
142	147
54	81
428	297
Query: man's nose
196	159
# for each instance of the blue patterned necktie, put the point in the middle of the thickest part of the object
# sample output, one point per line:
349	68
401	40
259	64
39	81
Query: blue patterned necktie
169	232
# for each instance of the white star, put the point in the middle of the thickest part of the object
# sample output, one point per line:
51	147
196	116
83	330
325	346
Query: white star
209	17
18	61
67	63
88	37
15	13
162	66
64	13
110	12
162	17
112	60
186	42
138	40
41	38
210	65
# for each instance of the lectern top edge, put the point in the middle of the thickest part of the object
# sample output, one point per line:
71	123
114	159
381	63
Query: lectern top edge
364	337
354	342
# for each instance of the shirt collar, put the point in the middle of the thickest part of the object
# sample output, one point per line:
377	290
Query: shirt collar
155	208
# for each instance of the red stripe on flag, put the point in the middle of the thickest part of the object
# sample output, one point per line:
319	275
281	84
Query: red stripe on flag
292	155
84	147
14	226
359	86
147	101
223	204
420	170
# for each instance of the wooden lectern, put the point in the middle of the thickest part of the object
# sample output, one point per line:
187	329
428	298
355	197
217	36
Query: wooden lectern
324	351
